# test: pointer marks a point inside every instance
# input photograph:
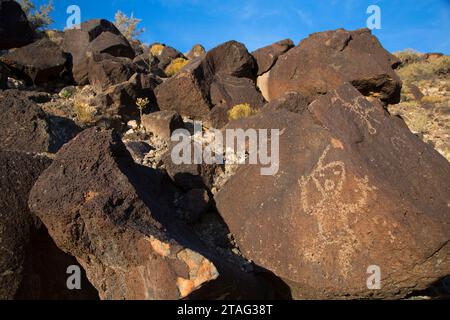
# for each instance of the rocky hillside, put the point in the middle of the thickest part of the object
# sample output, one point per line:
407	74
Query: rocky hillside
425	103
88	177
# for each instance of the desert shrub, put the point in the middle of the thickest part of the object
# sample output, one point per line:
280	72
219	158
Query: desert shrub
408	56
39	18
197	50
432	99
85	114
241	111
51	34
175	66
141	103
156	49
409	104
425	70
128	26
418	122
65	94
442	65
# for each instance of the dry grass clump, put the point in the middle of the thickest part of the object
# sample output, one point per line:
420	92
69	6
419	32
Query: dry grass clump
241	111
198	50
408	56
432	99
175	66
85	114
415	67
418	122
156	49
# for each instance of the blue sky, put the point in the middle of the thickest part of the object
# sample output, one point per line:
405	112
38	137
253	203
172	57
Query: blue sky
423	25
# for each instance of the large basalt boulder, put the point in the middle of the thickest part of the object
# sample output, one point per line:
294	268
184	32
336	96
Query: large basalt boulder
325	60
115	45
79	42
348	195
116	218
191	98
197	51
106	70
31	266
267	56
291	101
15	31
167	55
227	92
25	127
162	123
231	59
230	91
41	63
224	75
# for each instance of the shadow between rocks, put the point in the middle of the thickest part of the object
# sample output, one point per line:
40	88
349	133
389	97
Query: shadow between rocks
207	237
44	275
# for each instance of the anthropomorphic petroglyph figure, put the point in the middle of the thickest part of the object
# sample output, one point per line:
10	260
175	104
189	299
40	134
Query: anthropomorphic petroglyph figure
322	196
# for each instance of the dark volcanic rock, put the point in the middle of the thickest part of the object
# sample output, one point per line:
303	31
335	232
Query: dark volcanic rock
41	63
138	150
113	44
167	55
115	217
197	51
79	42
45	271
348	195
224	75
120	100
267	56
3	76
231	59
15	31
162	123
106	70
195	203
18	172
25	127
192	92
228	91
96	27
190	176
290	101
325	60
31	266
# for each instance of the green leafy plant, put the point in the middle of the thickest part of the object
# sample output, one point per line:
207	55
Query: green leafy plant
65	94
39	18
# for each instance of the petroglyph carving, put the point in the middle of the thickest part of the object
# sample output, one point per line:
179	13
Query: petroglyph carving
359	108
321	196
